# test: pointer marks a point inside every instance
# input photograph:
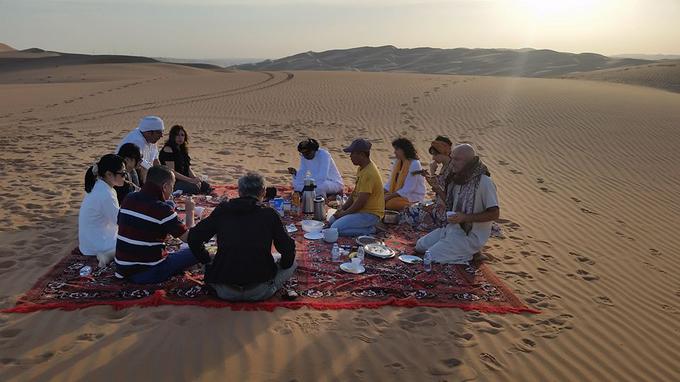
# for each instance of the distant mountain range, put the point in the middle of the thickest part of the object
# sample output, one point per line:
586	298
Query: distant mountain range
496	62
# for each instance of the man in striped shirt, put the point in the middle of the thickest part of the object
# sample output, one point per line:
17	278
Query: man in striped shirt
144	222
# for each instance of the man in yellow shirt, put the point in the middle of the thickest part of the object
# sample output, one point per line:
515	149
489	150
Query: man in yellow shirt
366	206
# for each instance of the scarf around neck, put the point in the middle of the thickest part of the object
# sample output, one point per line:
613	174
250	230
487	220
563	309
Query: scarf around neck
399	174
468	180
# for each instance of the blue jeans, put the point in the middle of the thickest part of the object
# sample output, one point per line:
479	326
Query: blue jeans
173	264
357	224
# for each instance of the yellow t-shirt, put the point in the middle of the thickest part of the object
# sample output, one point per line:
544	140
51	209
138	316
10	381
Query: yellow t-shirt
370	181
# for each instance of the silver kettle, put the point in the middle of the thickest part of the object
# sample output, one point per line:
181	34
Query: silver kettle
308	196
319	211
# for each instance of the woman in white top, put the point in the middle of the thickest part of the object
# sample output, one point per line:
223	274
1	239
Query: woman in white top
406	185
98	216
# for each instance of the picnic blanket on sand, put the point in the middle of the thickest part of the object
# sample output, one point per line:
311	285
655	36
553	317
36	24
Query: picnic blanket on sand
319	282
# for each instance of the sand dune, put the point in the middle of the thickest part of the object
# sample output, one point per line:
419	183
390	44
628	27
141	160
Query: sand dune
663	75
495	62
586	178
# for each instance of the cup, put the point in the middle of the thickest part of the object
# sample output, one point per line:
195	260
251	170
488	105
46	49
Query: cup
198	211
356	262
330	235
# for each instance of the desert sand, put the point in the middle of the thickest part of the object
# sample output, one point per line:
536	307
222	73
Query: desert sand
588	179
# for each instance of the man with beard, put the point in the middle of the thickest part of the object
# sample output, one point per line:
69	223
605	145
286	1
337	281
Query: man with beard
472	205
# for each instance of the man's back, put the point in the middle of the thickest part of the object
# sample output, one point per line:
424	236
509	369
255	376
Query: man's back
245	232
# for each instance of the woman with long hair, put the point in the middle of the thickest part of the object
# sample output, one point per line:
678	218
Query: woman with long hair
405	185
175	154
98	216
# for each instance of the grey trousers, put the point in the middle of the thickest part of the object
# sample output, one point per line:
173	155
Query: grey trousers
259	292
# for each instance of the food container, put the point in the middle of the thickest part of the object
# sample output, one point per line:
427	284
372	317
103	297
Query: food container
391	217
312	226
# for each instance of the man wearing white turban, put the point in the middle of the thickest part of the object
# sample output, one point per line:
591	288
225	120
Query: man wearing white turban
148	132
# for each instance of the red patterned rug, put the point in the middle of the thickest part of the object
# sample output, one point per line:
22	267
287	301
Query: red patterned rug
319	282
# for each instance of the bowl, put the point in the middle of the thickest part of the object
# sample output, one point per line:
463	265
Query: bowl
311	226
391	217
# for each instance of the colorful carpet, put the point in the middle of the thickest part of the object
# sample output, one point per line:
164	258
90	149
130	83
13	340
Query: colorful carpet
318	281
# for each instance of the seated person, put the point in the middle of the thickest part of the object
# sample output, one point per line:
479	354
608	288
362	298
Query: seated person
175	155
406	184
145	136
132	157
473	198
243	268
144	222
320	164
366	205
97	218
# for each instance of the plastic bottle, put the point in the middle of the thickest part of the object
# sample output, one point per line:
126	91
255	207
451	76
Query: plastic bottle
361	254
335	253
427	261
338	199
295	204
85	271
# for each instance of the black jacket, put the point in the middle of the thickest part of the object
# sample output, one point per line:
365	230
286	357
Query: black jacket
245	232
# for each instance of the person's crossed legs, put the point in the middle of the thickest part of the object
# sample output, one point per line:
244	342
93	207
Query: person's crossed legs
173	264
357	224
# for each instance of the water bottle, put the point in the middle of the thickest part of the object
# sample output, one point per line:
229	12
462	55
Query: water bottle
335	253
427	261
361	254
338	199
85	271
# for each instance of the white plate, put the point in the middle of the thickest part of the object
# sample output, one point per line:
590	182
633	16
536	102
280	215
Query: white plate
379	250
347	267
410	259
313	235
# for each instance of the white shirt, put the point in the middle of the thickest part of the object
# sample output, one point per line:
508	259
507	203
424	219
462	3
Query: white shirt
323	170
485	198
149	150
414	185
98	220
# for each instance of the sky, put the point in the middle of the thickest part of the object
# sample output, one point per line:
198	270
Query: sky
278	28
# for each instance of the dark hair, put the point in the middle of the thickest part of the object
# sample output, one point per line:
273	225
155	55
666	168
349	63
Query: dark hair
174	131
158	175
130	150
109	162
308	144
444	139
407	147
250	185
440	138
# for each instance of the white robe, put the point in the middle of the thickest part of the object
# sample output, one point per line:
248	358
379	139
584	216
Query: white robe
324	172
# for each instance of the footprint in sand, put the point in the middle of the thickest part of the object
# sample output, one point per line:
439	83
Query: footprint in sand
553	327
603	300
587	211
9	333
503	163
582	259
652	252
587	275
483	324
526	345
89	337
491	362
516	172
453	366
670	309
463	340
